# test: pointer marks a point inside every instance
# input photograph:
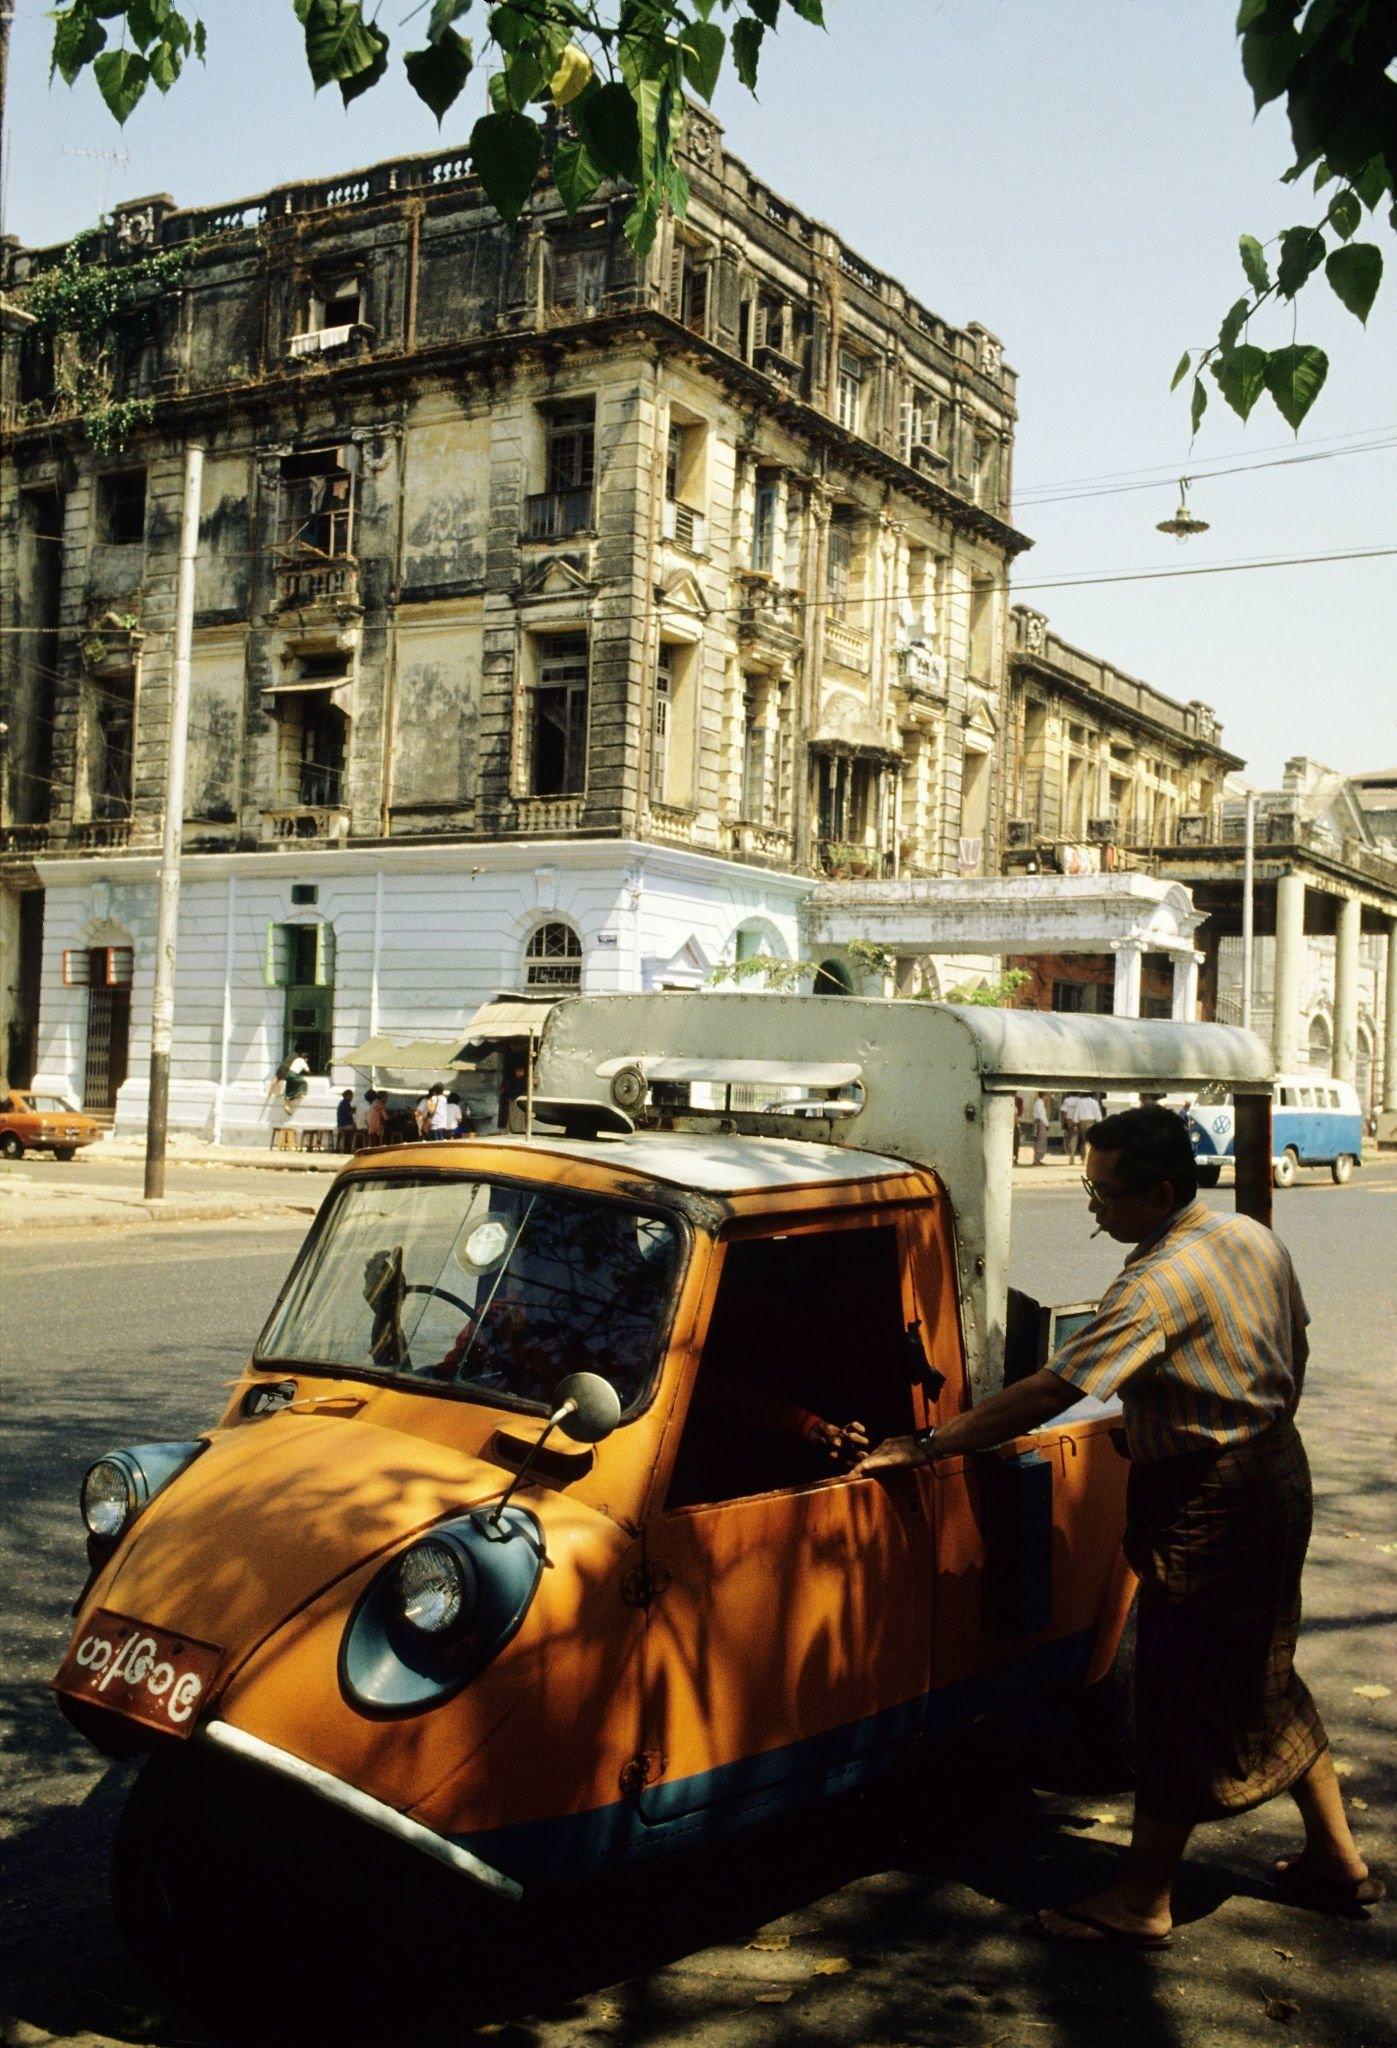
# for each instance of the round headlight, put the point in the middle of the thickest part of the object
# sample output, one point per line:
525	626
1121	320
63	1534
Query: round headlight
108	1498
433	1588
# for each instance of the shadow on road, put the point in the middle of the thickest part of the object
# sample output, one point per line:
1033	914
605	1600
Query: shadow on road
896	1918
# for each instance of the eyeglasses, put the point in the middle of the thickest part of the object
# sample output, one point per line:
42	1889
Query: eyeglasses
1099	1191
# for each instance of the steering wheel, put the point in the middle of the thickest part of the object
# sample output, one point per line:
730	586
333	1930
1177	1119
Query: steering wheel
423	1287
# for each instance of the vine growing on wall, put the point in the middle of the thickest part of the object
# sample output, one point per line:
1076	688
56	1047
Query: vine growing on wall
79	307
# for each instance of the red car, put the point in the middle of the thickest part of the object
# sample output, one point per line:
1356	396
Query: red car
43	1123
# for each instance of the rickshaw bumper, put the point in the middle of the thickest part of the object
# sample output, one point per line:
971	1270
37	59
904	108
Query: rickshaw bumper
374	1813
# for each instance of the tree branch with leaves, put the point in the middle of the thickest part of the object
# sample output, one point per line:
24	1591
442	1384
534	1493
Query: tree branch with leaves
1332	61
621	68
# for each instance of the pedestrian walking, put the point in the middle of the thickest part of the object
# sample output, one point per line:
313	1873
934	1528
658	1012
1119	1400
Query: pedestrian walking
1067	1117
1203	1336
439	1123
1040	1129
1089	1114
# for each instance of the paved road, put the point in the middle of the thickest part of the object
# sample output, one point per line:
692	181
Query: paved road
41	1171
893	1922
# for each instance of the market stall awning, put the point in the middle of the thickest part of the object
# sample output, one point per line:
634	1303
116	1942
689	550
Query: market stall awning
415	1056
506	1016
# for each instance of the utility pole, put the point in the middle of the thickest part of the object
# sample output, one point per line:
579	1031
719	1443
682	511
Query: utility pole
162	1002
1248	884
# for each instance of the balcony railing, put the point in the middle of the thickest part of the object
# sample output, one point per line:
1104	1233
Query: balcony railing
303	584
25	838
669	823
686	527
847	646
101	835
548	815
321	823
557	515
761	842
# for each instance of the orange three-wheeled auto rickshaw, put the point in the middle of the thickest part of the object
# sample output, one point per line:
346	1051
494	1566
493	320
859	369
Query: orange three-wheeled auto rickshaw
519	1536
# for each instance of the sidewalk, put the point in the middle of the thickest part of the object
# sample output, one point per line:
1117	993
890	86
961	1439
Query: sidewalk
105	1186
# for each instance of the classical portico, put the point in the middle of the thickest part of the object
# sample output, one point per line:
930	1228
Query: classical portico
1128	915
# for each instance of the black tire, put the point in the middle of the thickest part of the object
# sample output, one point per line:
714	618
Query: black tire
1286	1168
182	1868
1209	1173
12	1146
65	1153
1342	1168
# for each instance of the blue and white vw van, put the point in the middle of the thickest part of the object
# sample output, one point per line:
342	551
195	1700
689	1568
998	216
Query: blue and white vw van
1314	1122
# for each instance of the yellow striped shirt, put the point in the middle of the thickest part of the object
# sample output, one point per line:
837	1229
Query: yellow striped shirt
1196	1335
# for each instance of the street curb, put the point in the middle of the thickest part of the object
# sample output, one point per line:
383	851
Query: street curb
82	1217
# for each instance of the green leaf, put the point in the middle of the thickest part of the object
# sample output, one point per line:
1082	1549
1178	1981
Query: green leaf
76	41
1235	321
1323	175
121	79
678	193
1302	252
438	74
164	66
746	49
1200	402
809	10
509	28
575	174
1371	183
443	13
1241	377
1295	377
505	150
609	126
1268	61
1355	272
1254	263
704	44
342	48
1178	377
1344	213
497	88
200	40
143	20
767	11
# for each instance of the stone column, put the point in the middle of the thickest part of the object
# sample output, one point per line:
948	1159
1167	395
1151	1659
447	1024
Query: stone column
1290	945
1184	1007
1389	1058
1346	988
1125	999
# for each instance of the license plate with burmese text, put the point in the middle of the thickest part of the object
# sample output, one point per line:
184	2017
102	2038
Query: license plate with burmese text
158	1678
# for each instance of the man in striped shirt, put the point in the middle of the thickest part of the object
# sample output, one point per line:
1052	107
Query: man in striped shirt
1202	1335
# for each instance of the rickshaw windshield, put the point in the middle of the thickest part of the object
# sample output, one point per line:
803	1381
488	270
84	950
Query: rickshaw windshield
494	1288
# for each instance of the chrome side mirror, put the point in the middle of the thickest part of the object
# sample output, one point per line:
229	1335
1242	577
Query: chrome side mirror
585	1407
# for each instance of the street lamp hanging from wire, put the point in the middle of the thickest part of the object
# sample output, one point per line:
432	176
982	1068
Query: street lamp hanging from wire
1184	523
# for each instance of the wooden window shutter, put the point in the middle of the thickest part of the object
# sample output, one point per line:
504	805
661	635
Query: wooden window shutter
276	961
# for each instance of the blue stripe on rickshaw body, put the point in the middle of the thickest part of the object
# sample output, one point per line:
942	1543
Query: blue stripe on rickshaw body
712	1804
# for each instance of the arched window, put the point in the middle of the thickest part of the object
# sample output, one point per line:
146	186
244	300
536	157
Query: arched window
832	978
1319	1045
553	959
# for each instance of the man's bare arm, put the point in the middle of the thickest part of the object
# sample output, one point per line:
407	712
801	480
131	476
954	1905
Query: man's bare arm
1005	1415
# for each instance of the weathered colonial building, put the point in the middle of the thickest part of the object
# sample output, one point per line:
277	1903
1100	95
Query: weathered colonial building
559	616
1324	958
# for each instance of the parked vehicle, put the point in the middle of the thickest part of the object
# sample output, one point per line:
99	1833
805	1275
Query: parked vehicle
512	1539
1314	1122
43	1123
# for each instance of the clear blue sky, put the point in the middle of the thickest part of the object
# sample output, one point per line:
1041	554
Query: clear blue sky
1073	173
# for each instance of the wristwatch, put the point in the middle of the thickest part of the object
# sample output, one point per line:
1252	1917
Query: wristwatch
924	1439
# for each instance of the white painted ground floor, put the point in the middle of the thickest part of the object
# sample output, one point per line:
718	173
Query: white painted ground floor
322	950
